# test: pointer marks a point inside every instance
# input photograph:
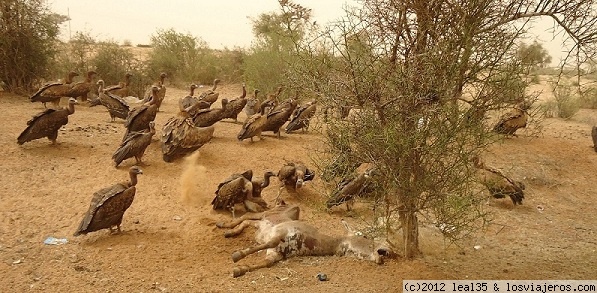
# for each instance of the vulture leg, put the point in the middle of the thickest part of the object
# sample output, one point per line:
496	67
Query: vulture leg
55	102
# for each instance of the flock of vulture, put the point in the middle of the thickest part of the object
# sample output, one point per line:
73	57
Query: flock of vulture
193	127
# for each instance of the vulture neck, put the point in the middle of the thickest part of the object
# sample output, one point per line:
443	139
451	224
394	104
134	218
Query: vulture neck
266	177
71	108
69	78
127	80
89	77
214	87
162	78
133	178
192	91
244	94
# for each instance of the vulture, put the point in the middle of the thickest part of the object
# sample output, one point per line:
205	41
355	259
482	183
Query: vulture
208	117
161	93
180	136
278	116
253	104
210	96
301	117
116	106
272	100
294	175
52	92
109	204
122	89
191	100
235	106
47	124
236	189
498	184
138	119
351	187
134	145
82	89
513	120
253	126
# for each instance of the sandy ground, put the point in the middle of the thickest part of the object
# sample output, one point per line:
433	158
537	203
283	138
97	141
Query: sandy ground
168	245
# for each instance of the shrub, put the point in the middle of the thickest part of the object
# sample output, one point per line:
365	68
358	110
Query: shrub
567	103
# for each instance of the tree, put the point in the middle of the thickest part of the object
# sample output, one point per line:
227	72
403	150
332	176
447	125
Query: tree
29	34
422	74
533	55
181	56
274	48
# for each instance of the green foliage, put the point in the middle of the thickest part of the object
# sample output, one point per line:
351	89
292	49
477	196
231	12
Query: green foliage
566	101
533	55
29	33
186	58
74	55
588	98
277	34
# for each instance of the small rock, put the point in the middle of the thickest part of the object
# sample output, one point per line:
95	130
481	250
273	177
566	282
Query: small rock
322	277
477	247
18	261
177	218
136	222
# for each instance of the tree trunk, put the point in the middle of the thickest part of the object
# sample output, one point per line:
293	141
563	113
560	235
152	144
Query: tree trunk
410	228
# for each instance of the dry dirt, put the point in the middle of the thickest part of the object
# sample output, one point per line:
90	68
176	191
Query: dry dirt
168	245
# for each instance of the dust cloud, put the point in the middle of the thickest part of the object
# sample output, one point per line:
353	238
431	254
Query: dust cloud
193	186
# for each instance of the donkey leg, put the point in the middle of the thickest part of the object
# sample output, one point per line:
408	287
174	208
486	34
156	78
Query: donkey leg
235	222
238	229
240	254
269	261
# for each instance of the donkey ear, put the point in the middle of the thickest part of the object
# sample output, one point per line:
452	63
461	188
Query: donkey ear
350	230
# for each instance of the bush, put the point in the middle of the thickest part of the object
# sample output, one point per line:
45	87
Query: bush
567	103
588	98
29	35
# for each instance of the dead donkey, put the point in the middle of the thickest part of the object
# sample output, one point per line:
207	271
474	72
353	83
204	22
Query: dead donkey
283	236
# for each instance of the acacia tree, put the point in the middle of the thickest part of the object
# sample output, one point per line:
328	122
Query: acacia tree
274	48
29	33
423	73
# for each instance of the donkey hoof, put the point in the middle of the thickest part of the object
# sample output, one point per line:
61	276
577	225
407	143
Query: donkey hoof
229	234
220	224
239	271
236	256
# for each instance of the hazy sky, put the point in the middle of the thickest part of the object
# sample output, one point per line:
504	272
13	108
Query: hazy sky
221	23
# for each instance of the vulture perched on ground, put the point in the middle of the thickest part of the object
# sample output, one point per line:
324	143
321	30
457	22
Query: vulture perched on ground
237	189
498	184
180	136
109	204
278	116
208	117
294	175
191	100
138	119
513	120
122	89
253	126
235	106
351	187
210	96
82	89
161	93
52	92
47	123
116	106
301	117
134	145
253	104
